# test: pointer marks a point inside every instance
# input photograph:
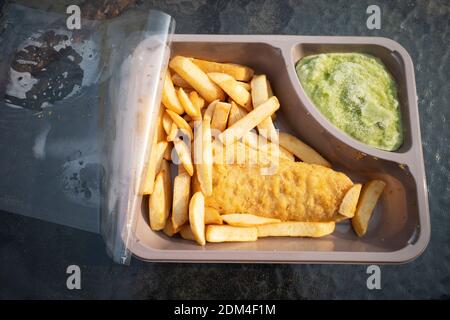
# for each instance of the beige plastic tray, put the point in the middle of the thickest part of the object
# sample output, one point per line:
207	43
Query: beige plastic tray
400	228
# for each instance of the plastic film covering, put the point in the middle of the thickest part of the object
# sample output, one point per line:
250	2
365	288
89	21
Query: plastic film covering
77	112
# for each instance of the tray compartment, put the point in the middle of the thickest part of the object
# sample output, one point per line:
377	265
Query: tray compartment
392	60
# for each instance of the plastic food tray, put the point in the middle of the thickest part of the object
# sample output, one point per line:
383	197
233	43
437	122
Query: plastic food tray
400	228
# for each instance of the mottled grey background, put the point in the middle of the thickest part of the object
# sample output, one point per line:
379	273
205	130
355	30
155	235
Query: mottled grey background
34	254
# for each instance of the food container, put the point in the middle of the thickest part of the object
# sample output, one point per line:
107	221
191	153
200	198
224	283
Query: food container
110	122
400	228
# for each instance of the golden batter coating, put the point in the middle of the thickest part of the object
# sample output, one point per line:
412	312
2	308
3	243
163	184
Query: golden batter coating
297	191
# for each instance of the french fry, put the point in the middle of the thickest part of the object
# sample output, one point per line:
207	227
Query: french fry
301	150
203	156
180	82
253	140
181	169
196	78
296	229
196	100
269	89
165	169
159	131
236	113
180	206
232	88
218	152
370	193
245	85
286	153
197	217
350	200
246	155
169	96
210	110
185	90
340	218
238	72
188	107
186	233
169	230
260	94
184	154
166	123
239	153
225	154
246	220
259	89
212	216
251	120
267	129
249	106
172	135
220	116
181	123
215	233
157	204
195	184
153	164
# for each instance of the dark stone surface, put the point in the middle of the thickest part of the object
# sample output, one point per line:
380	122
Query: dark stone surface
34	254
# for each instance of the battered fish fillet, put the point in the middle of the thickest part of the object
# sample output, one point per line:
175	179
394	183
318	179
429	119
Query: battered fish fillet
297	191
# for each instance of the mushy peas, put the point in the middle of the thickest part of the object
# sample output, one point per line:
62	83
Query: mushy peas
357	94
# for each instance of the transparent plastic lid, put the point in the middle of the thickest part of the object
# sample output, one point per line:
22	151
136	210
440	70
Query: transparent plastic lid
77	110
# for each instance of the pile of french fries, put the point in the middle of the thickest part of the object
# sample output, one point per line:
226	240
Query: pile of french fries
209	109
